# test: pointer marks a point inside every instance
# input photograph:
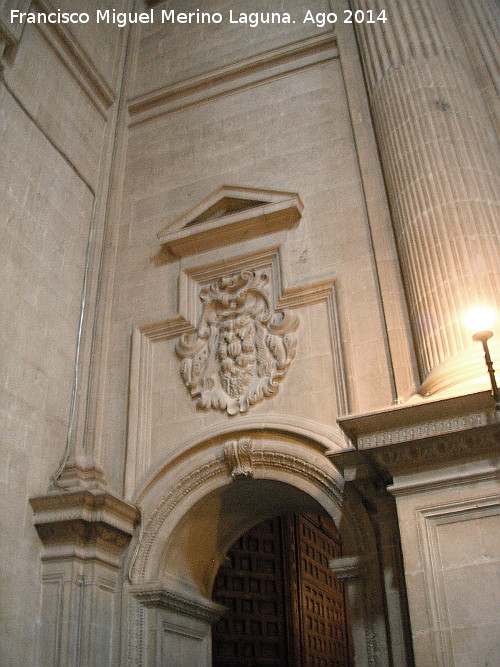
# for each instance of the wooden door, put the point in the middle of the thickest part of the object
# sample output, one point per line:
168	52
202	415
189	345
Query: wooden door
285	606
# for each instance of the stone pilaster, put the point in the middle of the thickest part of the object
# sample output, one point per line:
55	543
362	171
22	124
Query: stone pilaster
369	632
84	533
440	160
441	456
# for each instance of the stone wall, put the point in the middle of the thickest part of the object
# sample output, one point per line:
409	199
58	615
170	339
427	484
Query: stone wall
57	100
114	140
285	129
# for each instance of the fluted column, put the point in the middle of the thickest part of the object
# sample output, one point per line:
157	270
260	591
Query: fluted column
440	160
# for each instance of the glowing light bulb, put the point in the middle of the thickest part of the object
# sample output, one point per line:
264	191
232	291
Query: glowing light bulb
479	319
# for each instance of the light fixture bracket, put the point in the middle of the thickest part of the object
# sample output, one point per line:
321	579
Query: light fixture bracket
482	335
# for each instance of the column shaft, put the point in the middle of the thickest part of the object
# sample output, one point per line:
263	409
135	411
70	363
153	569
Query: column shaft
440	160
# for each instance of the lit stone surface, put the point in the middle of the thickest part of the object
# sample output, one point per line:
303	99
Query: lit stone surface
440	156
112	134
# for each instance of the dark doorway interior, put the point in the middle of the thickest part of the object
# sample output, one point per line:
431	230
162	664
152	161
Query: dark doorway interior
285	606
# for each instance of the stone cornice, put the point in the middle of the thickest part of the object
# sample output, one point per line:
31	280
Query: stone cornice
346	568
156	595
231	78
412	437
66	48
77	61
407	485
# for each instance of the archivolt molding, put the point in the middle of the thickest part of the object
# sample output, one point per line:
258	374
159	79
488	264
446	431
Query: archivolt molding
187	485
300	467
263	461
323	438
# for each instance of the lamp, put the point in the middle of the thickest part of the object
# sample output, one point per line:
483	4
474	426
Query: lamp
480	321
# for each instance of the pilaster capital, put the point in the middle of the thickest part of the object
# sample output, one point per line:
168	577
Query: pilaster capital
154	594
85	524
347	568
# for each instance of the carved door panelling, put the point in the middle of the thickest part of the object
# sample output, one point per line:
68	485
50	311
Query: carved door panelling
322	607
285	606
251	585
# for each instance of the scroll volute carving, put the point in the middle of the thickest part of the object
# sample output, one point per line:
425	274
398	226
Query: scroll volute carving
242	348
238	455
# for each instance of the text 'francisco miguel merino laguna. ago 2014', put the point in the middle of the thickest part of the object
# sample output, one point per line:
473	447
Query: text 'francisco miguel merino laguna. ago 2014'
251	19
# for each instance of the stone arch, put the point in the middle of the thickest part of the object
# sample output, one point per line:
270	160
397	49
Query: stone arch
184	486
198	501
198	505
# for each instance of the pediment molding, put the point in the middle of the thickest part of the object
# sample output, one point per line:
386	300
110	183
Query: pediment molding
230	215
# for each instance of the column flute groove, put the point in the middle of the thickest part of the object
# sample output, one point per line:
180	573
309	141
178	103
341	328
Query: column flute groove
440	159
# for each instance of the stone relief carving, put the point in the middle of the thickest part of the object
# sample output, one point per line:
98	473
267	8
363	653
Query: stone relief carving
238	454
242	349
444	450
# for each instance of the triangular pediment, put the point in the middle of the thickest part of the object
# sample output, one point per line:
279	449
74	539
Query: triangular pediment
226	206
230	215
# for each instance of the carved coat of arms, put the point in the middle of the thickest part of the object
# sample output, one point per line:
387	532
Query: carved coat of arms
242	349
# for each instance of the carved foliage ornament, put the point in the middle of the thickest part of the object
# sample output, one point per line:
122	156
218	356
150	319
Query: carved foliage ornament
242	349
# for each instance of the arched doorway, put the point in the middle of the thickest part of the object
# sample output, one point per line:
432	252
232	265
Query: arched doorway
284	604
196	504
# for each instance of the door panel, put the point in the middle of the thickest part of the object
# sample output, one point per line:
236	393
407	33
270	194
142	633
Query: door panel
322	609
251	585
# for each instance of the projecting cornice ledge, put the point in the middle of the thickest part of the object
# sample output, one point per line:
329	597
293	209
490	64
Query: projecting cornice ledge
84	524
234	77
411	438
230	215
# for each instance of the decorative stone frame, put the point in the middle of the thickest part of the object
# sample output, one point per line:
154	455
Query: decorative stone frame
429	520
191	279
